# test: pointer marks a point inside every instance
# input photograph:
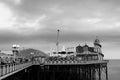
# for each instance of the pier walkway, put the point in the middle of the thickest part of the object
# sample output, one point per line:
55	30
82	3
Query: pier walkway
10	69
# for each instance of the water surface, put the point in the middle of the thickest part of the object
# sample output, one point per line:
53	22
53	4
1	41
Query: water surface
114	69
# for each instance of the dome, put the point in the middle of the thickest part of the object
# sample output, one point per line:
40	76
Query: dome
97	41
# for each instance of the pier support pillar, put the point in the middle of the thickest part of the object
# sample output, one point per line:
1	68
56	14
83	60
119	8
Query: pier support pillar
99	71
106	72
93	73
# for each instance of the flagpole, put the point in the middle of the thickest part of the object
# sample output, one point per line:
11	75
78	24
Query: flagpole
57	44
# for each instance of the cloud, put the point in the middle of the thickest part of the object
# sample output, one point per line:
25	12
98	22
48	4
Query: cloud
15	2
30	22
91	20
81	17
55	9
6	16
28	26
11	19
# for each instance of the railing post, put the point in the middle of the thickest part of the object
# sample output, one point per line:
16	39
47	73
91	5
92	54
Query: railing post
7	68
10	67
13	67
0	70
3	69
17	66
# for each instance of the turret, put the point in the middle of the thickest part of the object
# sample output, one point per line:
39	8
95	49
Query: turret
97	46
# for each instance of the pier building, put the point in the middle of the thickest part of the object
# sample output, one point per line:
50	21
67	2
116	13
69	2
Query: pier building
87	63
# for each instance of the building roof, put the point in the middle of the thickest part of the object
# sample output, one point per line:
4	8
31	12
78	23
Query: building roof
81	50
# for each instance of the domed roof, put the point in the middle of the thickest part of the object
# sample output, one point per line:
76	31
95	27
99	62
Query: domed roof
97	40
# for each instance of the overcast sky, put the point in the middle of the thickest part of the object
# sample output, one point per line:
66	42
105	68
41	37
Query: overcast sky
33	24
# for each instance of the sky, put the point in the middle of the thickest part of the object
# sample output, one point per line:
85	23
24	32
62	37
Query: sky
34	24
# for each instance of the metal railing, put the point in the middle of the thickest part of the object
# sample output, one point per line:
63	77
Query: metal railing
9	68
75	62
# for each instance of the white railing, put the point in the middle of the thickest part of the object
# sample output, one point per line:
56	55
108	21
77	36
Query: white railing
9	68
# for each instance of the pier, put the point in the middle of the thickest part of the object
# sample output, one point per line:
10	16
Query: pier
86	63
54	70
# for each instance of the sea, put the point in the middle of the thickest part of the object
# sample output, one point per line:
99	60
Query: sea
114	69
